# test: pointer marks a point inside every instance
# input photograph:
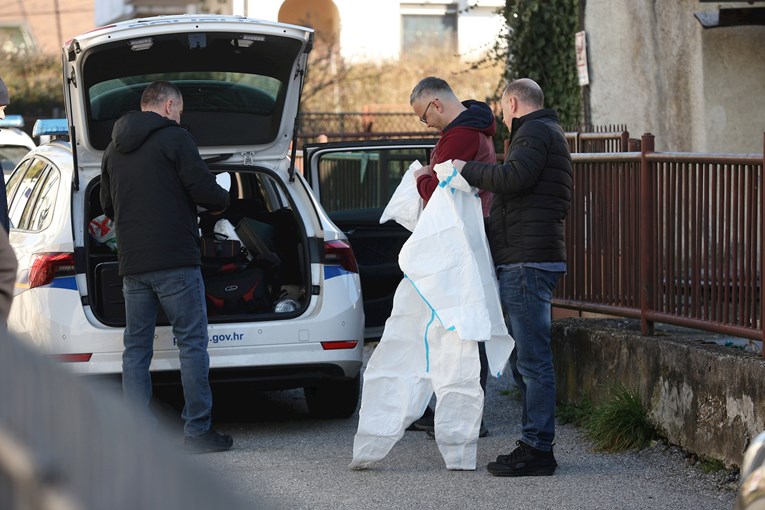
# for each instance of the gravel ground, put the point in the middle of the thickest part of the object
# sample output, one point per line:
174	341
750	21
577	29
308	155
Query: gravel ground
285	459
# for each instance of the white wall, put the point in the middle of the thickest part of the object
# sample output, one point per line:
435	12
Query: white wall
733	112
370	30
654	68
478	31
108	11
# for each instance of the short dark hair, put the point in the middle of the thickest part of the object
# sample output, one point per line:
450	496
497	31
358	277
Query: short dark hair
430	85
527	91
159	92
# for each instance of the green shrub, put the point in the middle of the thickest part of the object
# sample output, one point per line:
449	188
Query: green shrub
35	83
710	465
620	422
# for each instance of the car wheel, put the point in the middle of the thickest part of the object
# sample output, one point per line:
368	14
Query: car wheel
333	399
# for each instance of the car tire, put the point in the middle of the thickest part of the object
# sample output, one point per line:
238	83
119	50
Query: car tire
333	399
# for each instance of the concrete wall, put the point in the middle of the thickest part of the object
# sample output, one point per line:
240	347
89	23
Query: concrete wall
708	399
734	78
653	67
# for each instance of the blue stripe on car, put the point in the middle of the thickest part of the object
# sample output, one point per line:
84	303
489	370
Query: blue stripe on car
65	282
332	271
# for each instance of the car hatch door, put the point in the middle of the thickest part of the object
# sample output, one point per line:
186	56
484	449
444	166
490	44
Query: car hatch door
354	182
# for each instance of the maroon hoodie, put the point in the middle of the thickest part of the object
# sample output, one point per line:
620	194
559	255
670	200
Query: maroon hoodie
467	137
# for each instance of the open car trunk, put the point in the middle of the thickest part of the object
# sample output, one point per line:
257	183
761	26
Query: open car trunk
269	278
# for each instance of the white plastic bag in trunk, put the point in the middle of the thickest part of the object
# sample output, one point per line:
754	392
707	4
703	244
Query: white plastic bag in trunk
447	302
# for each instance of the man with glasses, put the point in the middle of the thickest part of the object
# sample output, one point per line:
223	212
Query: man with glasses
466	129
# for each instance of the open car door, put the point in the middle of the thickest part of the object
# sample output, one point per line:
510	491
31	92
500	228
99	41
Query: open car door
354	182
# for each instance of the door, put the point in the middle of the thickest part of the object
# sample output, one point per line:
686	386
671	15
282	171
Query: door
354	182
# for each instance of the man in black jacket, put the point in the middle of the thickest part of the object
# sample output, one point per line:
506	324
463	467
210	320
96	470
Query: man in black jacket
152	180
532	193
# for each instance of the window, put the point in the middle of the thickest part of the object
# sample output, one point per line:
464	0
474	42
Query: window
227	79
32	192
429	33
21	188
10	155
363	179
42	209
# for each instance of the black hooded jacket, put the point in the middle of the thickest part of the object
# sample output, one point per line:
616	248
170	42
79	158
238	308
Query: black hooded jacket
152	179
532	191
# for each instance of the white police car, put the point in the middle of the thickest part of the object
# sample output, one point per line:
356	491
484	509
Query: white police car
241	81
14	142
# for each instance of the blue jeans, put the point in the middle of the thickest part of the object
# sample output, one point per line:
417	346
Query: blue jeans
180	292
526	295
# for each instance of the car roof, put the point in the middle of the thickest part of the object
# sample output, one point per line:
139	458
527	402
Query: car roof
15	137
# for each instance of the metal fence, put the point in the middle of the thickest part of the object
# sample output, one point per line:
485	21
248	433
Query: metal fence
668	237
348	126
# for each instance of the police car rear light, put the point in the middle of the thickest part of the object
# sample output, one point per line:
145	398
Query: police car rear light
342	344
339	253
74	358
47	266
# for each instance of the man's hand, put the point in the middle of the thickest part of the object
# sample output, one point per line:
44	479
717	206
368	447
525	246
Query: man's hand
458	164
425	170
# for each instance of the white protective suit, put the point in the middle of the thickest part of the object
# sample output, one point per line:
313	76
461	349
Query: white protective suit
447	302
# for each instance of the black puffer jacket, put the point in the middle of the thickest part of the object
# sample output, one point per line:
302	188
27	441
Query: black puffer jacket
152	179
532	191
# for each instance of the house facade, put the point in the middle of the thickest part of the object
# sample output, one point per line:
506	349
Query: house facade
366	30
688	71
657	68
43	25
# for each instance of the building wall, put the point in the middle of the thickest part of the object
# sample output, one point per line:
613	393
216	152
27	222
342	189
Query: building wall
654	68
370	30
734	78
51	22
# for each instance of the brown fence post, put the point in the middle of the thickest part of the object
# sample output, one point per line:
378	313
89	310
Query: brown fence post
625	141
647	235
762	248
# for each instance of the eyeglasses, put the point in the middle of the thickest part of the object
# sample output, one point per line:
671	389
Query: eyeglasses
424	118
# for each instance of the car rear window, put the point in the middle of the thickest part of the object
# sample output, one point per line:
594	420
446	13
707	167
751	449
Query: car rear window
233	88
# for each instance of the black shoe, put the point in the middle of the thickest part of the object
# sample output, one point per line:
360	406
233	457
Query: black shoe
482	432
425	422
210	441
524	461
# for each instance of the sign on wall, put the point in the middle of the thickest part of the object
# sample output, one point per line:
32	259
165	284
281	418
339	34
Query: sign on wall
581	59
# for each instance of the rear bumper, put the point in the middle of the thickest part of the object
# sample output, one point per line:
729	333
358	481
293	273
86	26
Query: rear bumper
270	378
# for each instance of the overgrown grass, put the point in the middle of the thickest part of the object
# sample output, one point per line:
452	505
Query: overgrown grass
710	465
618	423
